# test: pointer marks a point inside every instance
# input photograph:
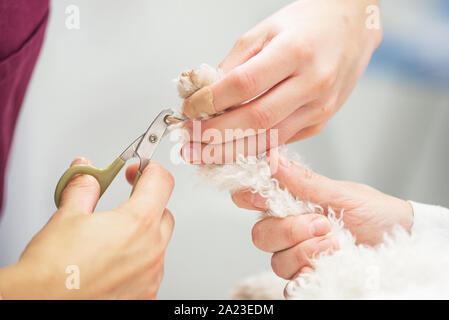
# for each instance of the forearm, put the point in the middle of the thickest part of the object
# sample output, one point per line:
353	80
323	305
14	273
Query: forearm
8	276
12	282
19	281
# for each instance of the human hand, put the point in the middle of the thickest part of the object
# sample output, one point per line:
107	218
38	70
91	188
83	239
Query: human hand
300	65
367	213
119	253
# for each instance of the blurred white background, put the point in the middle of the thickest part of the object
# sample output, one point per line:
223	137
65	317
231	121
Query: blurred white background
95	89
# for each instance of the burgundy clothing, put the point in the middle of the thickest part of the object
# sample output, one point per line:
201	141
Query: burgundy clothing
22	27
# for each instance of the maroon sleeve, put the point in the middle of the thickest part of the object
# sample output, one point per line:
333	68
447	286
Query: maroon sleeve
22	27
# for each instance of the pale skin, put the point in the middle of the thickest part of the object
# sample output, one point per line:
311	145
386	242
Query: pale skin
292	72
119	253
298	66
367	213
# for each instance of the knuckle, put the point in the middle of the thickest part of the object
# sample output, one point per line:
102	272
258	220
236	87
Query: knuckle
327	110
277	266
301	255
134	221
140	220
308	179
326	79
315	130
301	50
237	198
291	232
241	42
262	117
320	127
245	82
247	40
308	175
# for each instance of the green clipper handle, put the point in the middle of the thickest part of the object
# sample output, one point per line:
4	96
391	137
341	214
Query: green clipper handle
136	179
103	176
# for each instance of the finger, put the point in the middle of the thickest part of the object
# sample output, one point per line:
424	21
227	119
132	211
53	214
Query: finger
131	173
275	234
307	132
82	192
308	185
303	271
166	227
228	152
247	199
247	46
198	153
152	192
216	153
261	113
308	115
287	263
243	82
296	281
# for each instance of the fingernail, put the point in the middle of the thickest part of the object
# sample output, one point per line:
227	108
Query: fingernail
191	153
284	162
306	270
326	244
80	160
320	226
188	131
201	102
186	153
258	201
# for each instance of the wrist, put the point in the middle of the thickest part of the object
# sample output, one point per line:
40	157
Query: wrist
365	16
20	282
9	282
372	22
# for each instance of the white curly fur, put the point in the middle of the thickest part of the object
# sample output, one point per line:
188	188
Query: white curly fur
192	80
404	266
253	173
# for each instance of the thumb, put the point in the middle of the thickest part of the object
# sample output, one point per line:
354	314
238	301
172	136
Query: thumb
151	193
82	192
306	184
